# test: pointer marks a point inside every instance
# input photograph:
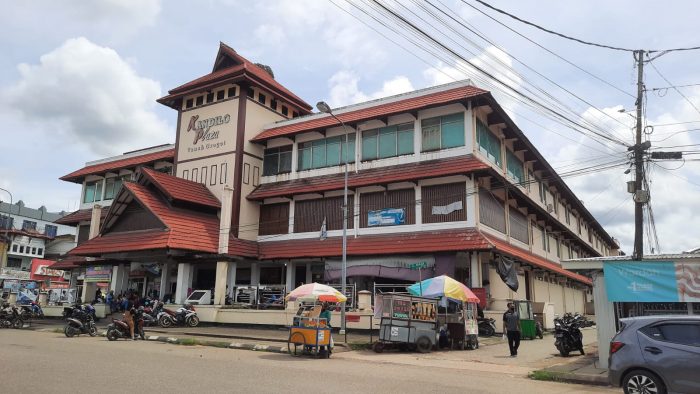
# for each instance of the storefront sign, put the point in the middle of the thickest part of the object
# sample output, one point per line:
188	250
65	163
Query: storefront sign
386	217
401	309
98	273
11	285
207	131
658	281
14	274
203	128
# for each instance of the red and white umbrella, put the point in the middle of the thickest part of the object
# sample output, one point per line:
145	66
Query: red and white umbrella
316	292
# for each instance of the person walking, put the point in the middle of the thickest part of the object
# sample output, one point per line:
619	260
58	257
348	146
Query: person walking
511	325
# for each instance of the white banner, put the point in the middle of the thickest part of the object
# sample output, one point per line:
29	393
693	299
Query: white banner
447	209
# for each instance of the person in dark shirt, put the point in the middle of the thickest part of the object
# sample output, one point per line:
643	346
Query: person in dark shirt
511	325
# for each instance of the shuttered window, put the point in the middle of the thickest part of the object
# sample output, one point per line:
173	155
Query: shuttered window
518	225
491	211
393	199
444	203
309	214
489	144
442	132
274	219
515	167
387	141
326	152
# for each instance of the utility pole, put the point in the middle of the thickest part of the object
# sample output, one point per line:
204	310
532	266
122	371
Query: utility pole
639	163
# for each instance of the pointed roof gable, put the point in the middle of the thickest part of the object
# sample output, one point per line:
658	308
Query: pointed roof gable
179	190
229	66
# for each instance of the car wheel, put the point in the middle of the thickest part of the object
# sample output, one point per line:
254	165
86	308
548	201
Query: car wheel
642	382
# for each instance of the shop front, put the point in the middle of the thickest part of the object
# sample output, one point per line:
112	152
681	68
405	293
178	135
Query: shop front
622	287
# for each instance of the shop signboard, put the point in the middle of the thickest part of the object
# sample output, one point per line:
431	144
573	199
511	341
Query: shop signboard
15	274
401	309
11	285
652	281
98	273
386	217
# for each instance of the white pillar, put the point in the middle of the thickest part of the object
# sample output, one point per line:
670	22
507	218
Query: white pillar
291	274
95	221
604	318
254	274
164	280
475	269
184	281
290	225
119	278
308	274
220	283
232	266
419	207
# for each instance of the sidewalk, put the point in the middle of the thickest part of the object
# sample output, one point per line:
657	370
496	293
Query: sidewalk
582	371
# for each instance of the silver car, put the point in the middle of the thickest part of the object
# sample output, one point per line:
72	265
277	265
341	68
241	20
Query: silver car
656	354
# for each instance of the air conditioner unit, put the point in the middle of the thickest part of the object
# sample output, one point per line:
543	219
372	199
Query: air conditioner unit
550	208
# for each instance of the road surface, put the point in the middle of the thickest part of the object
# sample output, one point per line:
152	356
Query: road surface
40	362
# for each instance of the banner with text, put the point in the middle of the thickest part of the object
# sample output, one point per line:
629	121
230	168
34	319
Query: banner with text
657	281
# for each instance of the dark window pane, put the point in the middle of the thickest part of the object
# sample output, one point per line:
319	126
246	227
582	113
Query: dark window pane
387	142
270	162
369	144
261	98
250	93
200	100
285	111
220	95
295	114
189	103
273	104
285	162
232	91
210	97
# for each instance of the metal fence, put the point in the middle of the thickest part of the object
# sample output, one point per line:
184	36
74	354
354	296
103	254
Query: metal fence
379	288
350	292
259	296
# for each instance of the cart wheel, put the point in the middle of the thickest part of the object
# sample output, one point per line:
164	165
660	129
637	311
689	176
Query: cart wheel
378	347
423	345
295	341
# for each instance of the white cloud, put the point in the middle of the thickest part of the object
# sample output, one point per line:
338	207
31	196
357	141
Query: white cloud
137	12
91	96
271	34
344	89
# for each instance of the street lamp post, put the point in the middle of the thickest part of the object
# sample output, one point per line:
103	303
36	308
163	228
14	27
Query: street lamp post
323	107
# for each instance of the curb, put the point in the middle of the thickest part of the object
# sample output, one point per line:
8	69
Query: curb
233	345
570	377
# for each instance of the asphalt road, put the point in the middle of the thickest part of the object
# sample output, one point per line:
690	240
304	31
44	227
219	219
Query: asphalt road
41	362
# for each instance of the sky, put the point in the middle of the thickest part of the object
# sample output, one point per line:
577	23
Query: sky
79	80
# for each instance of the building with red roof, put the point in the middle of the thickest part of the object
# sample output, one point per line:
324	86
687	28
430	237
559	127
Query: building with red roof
254	196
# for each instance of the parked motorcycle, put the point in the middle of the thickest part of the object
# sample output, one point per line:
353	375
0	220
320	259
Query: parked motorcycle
80	321
11	317
487	326
568	336
32	311
185	315
120	329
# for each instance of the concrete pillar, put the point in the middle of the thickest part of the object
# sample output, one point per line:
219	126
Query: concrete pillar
184	281
364	300
290	224
419	207
232	266
254	274
88	292
220	283
95	221
604	318
164	280
120	278
474	269
290	277
308	273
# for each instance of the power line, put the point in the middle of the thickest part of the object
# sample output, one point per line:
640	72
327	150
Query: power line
578	39
674	88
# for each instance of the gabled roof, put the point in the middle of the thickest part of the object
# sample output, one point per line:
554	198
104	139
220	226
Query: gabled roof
372	110
82	215
530	258
237	68
179	189
382	244
375	176
118	164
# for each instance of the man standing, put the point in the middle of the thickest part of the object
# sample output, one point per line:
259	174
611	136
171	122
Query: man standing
511	324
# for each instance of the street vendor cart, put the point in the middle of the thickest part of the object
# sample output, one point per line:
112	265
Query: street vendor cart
407	322
457	309
310	333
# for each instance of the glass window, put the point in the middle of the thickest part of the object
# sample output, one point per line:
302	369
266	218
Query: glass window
489	144
112	186
50	230
405	138
443	132
333	151
261	98
273	104
21	249
232	91
14	248
250	93
369	144
200	100
514	167
318	153
285	110
210	97
387	142
220	94
33	251
348	149
28	225
326	152
277	160
40	251
189	103
682	333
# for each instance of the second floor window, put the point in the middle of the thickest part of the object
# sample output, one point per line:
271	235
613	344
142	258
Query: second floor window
489	144
93	192
442	132
326	152
277	160
28	225
387	142
515	167
50	231
112	186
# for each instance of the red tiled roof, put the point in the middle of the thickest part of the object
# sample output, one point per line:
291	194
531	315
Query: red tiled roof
181	189
135	161
82	215
363	245
533	259
375	176
25	233
71	262
185	229
380	110
247	68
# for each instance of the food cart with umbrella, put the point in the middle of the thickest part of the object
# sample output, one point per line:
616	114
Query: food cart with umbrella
309	333
459	305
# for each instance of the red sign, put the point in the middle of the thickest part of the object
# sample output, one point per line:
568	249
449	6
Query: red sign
41	270
481	293
352	318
